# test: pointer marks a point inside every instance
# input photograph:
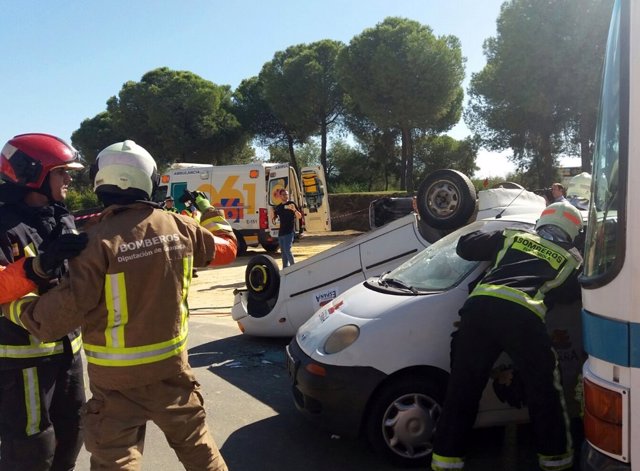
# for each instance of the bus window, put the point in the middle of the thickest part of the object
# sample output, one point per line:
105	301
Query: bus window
604	250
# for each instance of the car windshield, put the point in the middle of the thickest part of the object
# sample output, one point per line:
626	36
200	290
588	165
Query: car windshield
438	267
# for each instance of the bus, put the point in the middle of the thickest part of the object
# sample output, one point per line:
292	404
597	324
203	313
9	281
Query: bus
611	277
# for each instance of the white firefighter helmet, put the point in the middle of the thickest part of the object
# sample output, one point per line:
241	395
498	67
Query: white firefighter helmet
580	186
124	167
563	215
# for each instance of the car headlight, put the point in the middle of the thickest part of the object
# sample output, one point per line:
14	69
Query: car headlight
341	338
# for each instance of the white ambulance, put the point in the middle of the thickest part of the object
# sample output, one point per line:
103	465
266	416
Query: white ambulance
247	193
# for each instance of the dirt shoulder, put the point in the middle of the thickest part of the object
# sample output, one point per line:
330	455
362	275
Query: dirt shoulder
212	291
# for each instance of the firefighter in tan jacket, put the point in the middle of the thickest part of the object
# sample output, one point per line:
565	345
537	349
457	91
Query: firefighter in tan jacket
128	291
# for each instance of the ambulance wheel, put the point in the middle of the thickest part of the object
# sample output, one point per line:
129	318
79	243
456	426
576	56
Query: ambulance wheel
242	244
271	248
262	277
402	420
446	199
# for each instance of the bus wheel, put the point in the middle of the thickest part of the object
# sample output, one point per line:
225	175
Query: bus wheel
446	199
262	277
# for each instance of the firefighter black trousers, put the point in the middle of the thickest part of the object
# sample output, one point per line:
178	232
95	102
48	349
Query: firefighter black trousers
40	415
489	326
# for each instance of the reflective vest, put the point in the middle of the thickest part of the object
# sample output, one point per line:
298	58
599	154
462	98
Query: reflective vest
115	348
554	263
19	349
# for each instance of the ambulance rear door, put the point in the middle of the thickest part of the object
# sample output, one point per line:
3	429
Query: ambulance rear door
278	178
317	216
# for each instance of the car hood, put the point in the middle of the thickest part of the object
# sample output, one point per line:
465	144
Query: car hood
358	305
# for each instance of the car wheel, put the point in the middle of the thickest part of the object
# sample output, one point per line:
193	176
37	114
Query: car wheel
271	248
446	199
242	244
262	277
429	233
403	420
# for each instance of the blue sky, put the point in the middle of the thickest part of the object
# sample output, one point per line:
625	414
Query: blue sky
62	59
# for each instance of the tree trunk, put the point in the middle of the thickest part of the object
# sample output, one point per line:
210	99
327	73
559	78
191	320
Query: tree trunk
548	173
407	161
292	154
585	152
323	151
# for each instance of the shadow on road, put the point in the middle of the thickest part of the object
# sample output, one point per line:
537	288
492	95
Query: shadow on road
288	442
285	441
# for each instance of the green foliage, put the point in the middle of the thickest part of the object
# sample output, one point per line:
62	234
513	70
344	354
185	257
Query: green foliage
300	88
81	199
400	76
537	93
176	115
255	114
306	155
94	135
437	152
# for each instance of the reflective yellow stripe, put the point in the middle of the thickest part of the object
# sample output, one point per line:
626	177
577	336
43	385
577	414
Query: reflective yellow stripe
556	463
513	295
112	354
536	303
445	463
116	300
130	356
16	308
216	223
31	351
187	271
76	344
30	250
31	400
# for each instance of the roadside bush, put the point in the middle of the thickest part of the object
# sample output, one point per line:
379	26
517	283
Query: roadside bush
81	199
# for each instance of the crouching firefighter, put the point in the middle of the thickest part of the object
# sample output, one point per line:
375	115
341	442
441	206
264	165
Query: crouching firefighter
128	291
41	382
506	312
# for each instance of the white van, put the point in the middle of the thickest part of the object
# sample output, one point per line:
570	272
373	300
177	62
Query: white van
276	303
246	193
375	360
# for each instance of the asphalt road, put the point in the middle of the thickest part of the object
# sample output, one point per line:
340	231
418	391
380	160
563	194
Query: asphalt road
250	408
253	419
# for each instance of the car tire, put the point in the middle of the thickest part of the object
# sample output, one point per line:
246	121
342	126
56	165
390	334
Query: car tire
402	420
242	244
270	248
431	234
262	277
446	199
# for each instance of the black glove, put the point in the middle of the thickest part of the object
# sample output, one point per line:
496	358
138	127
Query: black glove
509	386
64	247
191	196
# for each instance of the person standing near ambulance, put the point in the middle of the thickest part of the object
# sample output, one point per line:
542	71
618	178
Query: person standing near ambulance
506	312
41	382
128	290
287	212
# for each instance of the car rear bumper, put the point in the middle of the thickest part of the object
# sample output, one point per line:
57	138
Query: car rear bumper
335	401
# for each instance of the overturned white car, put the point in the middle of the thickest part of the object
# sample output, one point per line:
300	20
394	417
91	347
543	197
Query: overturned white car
276	303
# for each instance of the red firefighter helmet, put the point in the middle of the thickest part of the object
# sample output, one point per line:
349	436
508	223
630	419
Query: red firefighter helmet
27	159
